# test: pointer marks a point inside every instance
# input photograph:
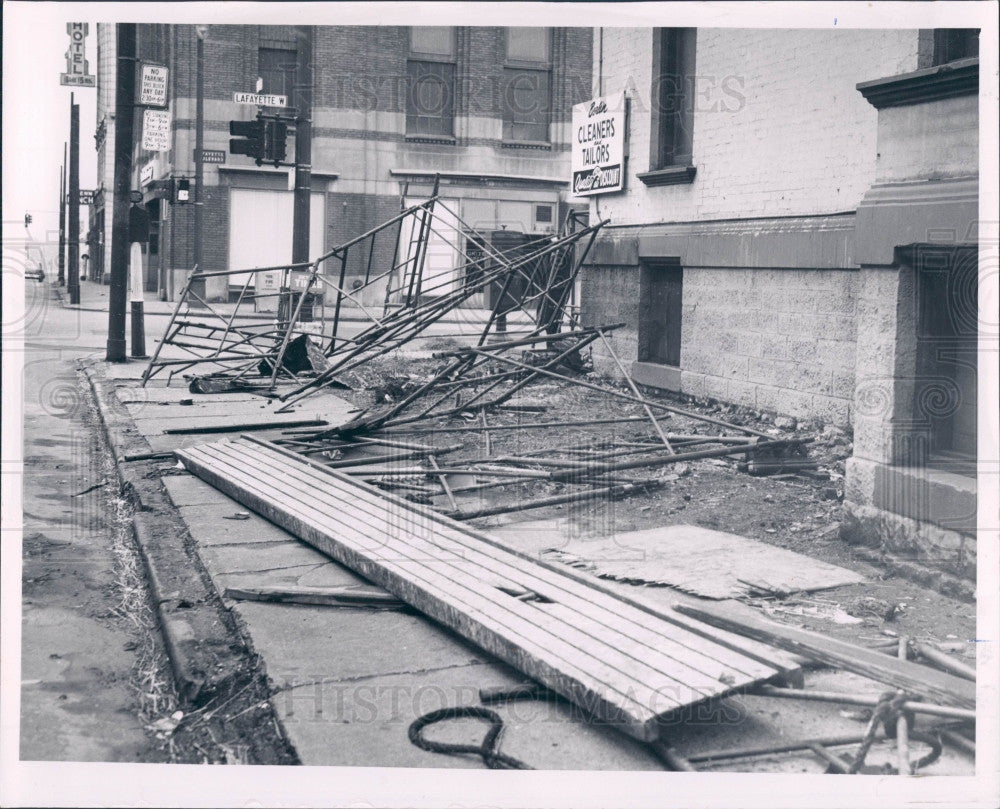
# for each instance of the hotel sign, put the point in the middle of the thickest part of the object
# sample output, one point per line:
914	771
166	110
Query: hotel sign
598	147
77	74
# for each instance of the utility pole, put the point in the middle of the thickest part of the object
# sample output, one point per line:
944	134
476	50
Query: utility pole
124	119
303	142
73	281
201	31
62	220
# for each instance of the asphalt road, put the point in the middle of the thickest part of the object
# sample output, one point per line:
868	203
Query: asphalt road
78	649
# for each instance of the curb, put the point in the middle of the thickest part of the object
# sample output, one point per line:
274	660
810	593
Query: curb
207	653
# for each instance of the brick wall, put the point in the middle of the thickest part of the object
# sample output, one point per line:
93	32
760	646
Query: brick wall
779	128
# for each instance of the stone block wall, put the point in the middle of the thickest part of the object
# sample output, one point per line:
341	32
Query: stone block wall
781	340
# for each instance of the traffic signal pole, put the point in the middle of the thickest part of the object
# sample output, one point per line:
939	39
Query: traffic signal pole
124	119
199	172
303	143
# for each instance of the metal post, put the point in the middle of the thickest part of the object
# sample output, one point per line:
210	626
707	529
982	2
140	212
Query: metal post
201	31
303	143
62	220
73	276
124	112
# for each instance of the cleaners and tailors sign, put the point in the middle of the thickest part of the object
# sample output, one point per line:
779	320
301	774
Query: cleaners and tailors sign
599	145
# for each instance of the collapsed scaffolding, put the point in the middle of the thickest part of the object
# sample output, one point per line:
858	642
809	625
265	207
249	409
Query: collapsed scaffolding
535	279
387	288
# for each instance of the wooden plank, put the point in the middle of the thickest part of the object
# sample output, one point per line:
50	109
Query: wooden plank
542	656
602	654
503	567
912	677
343	596
695	634
452	569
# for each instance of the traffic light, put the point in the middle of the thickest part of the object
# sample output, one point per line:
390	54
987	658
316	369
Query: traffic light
182	190
275	141
249	140
27	216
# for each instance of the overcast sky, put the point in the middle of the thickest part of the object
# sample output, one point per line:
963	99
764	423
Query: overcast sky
36	115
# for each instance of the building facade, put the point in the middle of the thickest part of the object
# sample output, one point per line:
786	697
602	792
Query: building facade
486	109
797	234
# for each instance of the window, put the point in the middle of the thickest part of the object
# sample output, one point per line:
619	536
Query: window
672	119
276	69
527	86
430	68
952	44
660	287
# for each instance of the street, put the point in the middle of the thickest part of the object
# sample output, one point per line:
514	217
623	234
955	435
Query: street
87	639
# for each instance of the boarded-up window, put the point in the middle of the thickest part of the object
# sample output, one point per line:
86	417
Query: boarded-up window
660	312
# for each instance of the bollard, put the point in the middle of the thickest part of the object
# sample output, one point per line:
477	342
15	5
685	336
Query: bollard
135	295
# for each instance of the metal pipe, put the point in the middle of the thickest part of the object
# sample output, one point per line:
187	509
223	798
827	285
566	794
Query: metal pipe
859	699
559	499
943	661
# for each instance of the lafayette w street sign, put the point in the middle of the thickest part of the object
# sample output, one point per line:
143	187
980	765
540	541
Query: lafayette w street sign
261	99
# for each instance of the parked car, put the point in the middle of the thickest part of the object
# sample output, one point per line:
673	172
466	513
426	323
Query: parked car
36	272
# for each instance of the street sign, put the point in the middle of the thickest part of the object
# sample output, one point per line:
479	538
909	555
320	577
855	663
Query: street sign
153	86
156	130
260	99
210	156
597	156
77	74
146	174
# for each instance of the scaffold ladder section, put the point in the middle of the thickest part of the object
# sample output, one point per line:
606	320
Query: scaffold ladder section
622	664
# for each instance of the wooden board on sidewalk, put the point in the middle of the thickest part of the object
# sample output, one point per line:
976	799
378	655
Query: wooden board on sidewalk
620	663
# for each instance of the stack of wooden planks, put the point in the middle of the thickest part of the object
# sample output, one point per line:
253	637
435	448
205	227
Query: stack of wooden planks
614	658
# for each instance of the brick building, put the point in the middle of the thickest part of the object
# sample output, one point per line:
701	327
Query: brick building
486	108
797	233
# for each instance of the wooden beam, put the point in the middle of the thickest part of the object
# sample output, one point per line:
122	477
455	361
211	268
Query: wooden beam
912	677
319	596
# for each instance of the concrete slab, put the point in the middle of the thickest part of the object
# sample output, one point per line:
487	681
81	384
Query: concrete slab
244	410
187	490
303	643
263	558
365	724
207	525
